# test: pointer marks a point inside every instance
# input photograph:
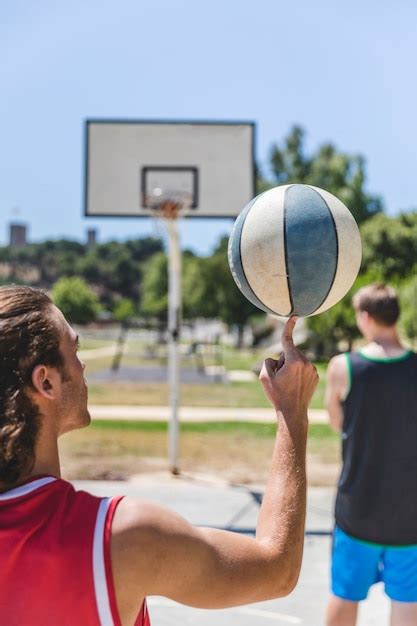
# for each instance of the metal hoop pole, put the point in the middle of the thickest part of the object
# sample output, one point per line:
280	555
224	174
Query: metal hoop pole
174	322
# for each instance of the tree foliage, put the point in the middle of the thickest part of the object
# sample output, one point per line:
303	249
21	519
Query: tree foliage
113	268
211	292
77	301
389	256
154	302
124	310
340	173
232	306
408	300
390	246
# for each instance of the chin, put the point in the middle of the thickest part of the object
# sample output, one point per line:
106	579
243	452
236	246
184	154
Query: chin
86	420
80	421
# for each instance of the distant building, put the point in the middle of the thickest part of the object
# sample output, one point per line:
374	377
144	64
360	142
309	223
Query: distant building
91	237
18	233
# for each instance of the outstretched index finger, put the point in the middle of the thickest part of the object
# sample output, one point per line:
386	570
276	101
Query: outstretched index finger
287	339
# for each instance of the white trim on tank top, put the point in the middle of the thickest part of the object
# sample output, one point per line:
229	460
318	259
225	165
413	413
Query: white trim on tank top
99	570
23	490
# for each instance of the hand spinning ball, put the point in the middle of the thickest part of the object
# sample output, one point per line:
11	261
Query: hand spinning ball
295	250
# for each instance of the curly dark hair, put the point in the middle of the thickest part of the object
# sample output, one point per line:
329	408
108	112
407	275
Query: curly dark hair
29	336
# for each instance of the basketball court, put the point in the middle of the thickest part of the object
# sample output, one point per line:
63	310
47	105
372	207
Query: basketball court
166	170
206	501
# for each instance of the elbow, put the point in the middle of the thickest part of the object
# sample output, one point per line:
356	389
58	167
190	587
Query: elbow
293	581
284	579
287	584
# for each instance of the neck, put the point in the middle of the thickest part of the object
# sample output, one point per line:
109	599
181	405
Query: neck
46	453
386	337
383	343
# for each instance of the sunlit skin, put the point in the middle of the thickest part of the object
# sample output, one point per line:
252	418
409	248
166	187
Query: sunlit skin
61	397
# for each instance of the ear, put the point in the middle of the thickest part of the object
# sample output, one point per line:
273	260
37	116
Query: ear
361	315
365	316
45	381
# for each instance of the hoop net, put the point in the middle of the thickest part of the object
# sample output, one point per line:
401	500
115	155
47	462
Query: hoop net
168	204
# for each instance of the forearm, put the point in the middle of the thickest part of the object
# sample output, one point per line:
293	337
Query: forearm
282	515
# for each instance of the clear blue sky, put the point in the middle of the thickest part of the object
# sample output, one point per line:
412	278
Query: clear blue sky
345	71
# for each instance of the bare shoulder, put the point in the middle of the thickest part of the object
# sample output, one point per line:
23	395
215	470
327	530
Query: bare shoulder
140	521
337	368
140	550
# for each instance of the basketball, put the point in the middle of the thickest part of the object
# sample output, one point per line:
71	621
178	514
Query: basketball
295	250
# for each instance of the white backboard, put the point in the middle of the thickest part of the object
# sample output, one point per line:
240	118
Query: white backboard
215	160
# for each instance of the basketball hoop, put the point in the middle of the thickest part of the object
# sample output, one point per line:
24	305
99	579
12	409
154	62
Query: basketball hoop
165	170
168	204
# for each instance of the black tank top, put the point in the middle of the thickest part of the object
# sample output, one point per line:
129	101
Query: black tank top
377	493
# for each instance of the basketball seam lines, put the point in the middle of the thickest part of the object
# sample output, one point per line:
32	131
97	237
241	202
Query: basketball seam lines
255	297
285	251
336	265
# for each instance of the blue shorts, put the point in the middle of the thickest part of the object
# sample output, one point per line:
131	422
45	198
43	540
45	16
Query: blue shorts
357	565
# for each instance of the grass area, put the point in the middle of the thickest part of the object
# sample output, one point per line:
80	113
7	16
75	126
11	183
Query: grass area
316	432
244	395
238	452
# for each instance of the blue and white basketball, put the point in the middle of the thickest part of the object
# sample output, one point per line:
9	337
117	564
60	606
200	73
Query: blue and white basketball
295	250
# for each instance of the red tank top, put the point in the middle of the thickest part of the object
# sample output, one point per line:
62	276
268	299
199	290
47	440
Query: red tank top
55	557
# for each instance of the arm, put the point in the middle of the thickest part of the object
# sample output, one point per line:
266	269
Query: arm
336	388
156	552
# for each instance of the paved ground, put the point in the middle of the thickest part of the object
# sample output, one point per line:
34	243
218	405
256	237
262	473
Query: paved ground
205	501
154	375
194	414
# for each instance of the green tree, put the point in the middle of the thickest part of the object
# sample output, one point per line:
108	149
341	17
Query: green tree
154	300
143	248
228	301
389	246
340	173
408	300
124	310
198	288
112	264
76	300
